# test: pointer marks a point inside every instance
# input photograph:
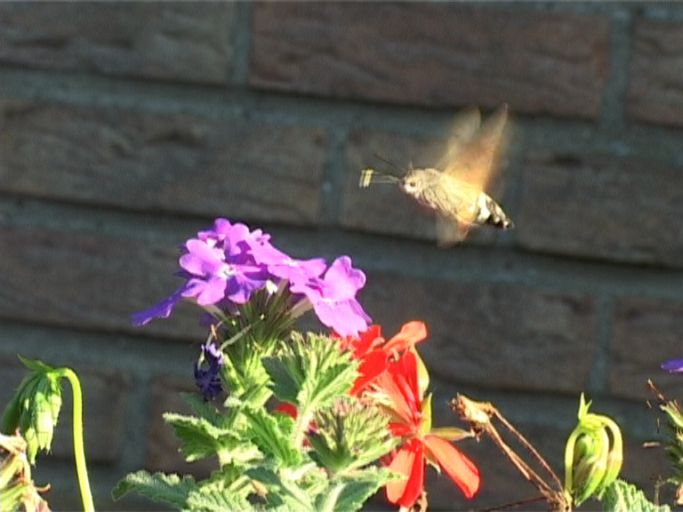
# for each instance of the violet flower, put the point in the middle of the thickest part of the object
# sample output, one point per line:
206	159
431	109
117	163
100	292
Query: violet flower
333	297
215	273
217	265
207	371
224	265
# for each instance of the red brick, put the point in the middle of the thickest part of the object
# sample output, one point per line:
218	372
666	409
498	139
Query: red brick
165	40
104	394
599	205
492	335
645	333
385	208
433	54
84	279
175	163
655	90
162	444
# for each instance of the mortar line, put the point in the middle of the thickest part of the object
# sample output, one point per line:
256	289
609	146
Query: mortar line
241	27
616	88
137	424
333	176
599	376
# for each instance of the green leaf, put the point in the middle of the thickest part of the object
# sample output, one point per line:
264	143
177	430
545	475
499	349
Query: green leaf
215	501
159	487
286	489
285	385
272	434
357	488
621	496
311	373
244	374
201	439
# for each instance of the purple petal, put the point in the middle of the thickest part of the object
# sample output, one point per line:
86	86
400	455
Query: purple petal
161	310
201	259
343	317
312	289
240	288
213	291
673	366
342	280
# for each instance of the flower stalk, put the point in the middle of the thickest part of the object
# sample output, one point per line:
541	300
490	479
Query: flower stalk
79	445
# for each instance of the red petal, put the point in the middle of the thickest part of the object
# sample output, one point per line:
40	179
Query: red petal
405	374
409	461
410	334
371	366
461	469
361	344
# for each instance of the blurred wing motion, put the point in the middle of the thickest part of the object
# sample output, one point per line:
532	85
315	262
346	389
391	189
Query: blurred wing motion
468	168
474	147
455	188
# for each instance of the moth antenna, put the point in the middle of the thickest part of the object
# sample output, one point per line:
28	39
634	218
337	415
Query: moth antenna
391	164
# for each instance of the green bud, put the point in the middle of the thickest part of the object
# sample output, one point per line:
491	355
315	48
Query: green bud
34	408
593	455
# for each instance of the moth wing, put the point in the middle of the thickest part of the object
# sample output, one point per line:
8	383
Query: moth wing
475	161
465	126
450	232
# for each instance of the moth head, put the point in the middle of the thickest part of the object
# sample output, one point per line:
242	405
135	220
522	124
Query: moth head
413	182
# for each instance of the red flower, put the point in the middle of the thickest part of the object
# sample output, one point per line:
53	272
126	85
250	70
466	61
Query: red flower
374	353
398	391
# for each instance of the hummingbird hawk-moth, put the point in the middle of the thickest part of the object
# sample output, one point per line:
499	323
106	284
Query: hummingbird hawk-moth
455	188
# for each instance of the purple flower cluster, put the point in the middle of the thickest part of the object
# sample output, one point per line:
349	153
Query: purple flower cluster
226	264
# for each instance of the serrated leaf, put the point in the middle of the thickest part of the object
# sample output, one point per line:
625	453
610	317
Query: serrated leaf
159	487
272	434
200	439
283	492
311	370
311	373
621	496
208	499
357	488
285	385
203	409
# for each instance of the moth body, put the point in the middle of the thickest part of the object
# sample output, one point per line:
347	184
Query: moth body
454	199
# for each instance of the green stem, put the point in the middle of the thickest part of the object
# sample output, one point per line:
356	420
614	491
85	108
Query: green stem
79	448
301	426
330	502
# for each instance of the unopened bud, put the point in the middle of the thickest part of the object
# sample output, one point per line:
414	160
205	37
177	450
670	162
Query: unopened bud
593	455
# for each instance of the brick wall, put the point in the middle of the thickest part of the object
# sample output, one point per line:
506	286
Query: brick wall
126	128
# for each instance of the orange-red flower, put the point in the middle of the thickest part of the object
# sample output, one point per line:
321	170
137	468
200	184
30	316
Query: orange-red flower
398	390
374	352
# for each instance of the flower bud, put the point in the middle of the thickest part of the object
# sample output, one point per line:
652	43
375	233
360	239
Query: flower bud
593	455
34	409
